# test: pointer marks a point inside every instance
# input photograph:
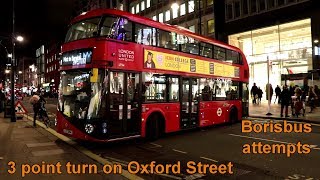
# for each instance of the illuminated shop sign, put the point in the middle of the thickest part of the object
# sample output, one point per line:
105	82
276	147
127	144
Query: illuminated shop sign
77	57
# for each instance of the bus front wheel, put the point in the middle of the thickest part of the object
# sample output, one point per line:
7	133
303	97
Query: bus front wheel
155	126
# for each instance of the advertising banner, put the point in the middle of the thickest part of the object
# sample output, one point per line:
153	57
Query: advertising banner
165	61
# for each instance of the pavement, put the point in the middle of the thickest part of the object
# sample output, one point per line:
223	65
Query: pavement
23	148
260	111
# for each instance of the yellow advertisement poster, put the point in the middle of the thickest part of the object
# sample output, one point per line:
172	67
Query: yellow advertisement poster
164	61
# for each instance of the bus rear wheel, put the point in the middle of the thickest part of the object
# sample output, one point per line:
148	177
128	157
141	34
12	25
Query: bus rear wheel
233	116
155	127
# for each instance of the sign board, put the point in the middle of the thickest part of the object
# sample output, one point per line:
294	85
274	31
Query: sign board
20	108
77	57
173	62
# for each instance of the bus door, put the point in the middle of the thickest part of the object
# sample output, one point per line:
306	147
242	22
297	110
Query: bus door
189	103
124	107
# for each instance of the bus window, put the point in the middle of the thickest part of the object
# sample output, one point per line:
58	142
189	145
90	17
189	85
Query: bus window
145	35
167	40
108	27
173	89
206	89
205	50
233	57
220	88
191	47
83	29
117	28
219	53
233	93
154	87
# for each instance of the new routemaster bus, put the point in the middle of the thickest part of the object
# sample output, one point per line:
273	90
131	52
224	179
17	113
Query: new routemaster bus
125	76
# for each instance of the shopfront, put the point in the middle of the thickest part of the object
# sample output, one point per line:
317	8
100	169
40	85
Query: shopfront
287	46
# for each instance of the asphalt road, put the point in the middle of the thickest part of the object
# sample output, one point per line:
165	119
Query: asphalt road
217	145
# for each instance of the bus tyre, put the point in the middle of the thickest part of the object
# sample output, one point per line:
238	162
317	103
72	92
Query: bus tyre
233	116
154	127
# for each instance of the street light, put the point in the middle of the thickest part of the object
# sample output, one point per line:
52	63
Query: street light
7	71
19	38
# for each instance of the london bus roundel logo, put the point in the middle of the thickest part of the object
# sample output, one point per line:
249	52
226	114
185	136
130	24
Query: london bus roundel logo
219	111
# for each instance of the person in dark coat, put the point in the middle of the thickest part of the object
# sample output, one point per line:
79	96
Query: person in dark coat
278	92
285	100
254	92
259	95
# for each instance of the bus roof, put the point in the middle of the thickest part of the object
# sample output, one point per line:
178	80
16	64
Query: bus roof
152	23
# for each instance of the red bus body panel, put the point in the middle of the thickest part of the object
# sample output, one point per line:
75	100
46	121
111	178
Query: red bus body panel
107	50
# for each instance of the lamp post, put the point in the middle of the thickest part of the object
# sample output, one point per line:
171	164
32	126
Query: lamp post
13	65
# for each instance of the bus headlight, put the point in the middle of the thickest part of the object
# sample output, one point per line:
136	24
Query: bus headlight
89	128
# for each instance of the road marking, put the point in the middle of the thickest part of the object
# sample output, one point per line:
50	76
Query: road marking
179	151
30	145
1	158
84	150
209	159
270	140
157	145
48	152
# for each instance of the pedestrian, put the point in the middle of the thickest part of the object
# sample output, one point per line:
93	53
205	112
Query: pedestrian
260	92
312	97
254	92
269	94
278	92
285	100
317	92
2	99
36	100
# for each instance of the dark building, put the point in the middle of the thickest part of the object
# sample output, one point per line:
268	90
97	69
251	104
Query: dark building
48	58
286	32
191	14
52	77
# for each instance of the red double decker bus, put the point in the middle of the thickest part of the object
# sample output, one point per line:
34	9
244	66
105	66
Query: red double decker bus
126	76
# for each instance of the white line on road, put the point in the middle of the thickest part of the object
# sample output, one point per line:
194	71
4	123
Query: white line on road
157	145
270	140
208	159
179	151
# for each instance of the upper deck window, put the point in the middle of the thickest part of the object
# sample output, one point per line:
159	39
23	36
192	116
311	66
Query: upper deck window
117	28
83	29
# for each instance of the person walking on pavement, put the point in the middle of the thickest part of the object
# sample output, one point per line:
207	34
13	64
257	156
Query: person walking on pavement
254	93
278	92
2	99
312	97
36	101
269	96
285	100
259	95
317	92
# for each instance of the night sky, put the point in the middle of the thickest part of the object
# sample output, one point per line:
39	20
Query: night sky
39	21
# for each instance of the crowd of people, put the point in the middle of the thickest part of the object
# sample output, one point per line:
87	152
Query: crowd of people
294	96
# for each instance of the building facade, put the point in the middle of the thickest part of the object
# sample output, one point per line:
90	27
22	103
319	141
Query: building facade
47	66
52	60
196	15
41	66
285	32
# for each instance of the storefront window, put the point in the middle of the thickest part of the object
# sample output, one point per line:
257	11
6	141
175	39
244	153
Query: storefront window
288	47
